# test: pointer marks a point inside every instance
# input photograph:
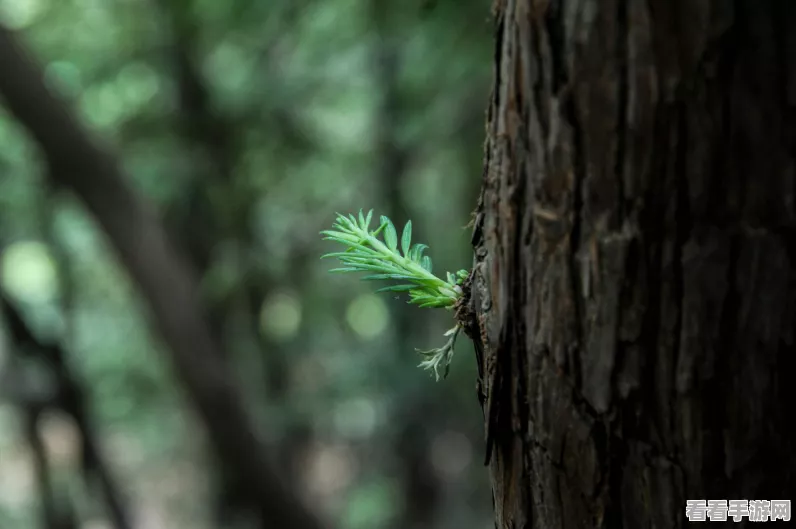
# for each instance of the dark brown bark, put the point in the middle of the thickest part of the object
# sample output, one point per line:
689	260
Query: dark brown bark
79	164
635	253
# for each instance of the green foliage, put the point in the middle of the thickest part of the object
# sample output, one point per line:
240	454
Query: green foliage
304	107
371	504
366	253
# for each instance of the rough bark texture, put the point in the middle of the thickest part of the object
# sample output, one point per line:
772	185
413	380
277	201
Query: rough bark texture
634	283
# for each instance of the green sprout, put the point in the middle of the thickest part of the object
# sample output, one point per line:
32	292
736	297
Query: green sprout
366	253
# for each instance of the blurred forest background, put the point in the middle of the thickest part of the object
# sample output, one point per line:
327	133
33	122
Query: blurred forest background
246	124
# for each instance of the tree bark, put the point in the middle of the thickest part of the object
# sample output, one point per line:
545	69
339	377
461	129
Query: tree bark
634	286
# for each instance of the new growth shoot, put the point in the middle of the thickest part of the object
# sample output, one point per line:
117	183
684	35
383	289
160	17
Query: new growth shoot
365	252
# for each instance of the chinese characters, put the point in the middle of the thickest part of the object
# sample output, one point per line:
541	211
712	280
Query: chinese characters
737	510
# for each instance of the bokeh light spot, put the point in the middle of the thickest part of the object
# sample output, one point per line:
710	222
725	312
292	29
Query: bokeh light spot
367	315
19	14
28	272
451	454
355	418
280	316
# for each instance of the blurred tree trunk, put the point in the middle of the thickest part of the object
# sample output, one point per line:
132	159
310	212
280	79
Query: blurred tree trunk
411	438
216	212
635	246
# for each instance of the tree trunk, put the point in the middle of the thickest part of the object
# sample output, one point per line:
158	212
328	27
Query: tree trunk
634	282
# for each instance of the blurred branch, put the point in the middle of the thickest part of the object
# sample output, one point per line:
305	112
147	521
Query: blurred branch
78	163
217	136
70	397
50	513
54	515
210	134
